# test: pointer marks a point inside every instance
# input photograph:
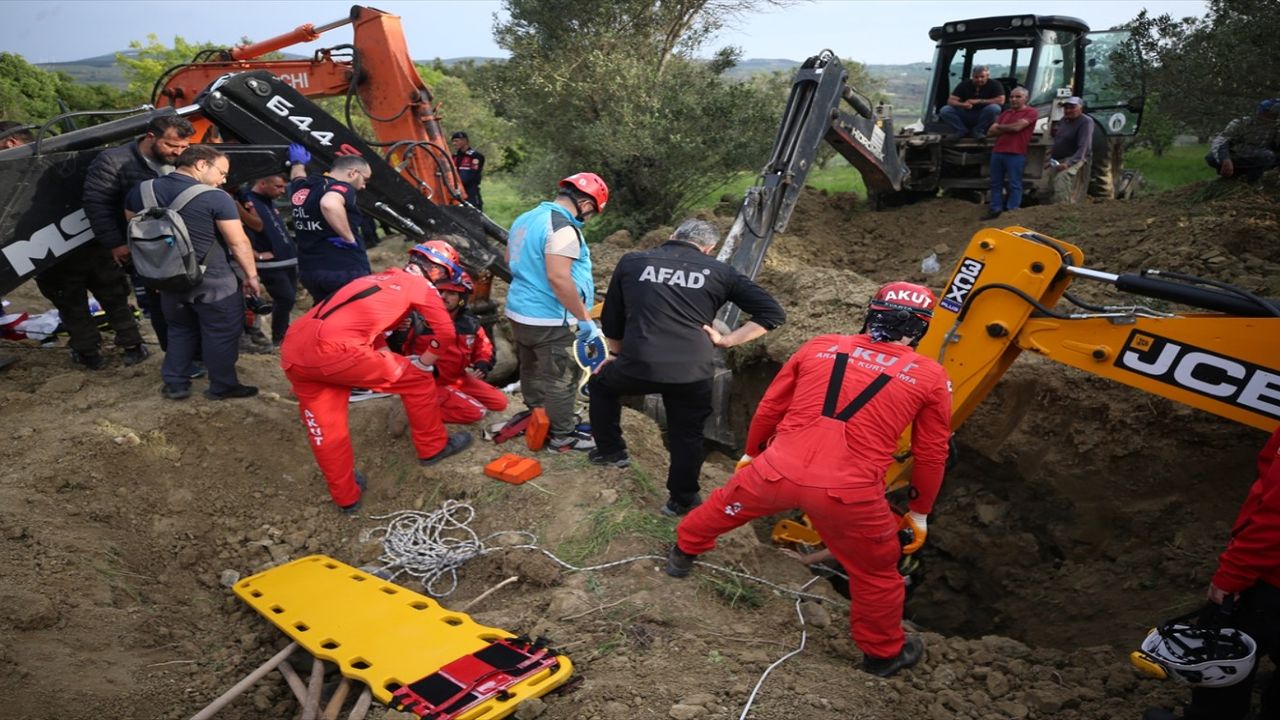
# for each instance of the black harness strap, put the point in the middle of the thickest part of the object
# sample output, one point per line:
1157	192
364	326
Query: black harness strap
835	384
371	290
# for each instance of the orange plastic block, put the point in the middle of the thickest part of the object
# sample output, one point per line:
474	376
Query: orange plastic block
513	468
535	434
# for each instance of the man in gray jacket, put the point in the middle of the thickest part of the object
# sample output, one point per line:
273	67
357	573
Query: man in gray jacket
1072	149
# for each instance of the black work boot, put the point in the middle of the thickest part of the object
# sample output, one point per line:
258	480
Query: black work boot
362	483
91	360
458	442
912	651
619	459
674	508
135	355
679	562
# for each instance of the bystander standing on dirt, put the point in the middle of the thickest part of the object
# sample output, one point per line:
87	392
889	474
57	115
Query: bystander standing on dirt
470	164
657	325
327	222
274	252
1248	146
210	317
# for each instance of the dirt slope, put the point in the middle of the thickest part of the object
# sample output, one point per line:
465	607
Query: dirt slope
1080	512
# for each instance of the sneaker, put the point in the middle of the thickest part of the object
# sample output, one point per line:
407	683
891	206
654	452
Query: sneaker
679	562
990	214
233	393
362	483
362	394
677	509
575	440
249	347
619	459
175	392
197	371
92	360
912	651
135	355
458	442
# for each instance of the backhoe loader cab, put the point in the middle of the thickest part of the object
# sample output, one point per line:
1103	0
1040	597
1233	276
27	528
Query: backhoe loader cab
1053	57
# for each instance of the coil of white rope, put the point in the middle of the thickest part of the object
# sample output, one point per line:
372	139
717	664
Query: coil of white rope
431	546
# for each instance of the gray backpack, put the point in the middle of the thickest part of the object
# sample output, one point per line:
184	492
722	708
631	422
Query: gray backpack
160	244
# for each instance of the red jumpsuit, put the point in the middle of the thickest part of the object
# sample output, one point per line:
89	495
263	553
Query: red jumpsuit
1253	554
823	436
340	344
464	398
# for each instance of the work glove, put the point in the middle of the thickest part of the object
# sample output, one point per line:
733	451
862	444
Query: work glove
298	154
918	524
588	331
340	242
743	461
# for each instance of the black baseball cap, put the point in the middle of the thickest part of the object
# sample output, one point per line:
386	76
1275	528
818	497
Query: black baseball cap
459	134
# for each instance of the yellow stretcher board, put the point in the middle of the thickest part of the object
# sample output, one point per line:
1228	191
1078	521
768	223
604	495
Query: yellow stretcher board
388	636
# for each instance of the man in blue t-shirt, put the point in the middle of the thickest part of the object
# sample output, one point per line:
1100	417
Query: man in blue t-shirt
211	315
274	252
550	300
326	222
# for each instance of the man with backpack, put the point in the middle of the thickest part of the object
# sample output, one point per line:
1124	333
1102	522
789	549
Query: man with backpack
183	233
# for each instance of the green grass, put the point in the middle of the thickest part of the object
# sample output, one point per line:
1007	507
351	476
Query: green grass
837	176
1179	166
503	202
605	524
733	591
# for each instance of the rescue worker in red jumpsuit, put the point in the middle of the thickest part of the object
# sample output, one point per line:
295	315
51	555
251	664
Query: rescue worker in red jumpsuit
464	395
822	438
461	366
341	344
1249	573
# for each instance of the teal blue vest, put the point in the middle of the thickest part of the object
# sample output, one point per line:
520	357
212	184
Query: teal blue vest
530	299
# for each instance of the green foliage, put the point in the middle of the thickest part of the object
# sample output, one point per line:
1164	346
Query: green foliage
1174	168
1205	71
153	58
461	108
612	87
30	94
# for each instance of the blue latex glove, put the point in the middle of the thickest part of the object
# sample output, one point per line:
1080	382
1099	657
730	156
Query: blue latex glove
298	154
338	242
588	331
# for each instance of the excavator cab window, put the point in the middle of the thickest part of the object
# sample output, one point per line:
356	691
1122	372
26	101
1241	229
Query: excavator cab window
1006	60
1054	68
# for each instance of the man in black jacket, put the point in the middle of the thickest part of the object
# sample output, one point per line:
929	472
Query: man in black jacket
110	178
657	325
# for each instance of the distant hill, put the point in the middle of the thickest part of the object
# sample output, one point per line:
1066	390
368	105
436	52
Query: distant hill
905	83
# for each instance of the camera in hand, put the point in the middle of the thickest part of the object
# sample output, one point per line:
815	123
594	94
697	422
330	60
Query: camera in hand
257	305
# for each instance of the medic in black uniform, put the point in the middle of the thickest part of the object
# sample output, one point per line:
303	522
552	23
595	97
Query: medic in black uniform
326	222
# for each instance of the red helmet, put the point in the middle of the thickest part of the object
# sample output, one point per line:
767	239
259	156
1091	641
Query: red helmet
438	259
917	299
591	184
461	285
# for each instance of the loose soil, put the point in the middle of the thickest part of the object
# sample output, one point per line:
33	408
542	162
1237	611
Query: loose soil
1079	513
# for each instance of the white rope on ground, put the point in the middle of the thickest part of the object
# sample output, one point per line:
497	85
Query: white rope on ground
804	635
431	546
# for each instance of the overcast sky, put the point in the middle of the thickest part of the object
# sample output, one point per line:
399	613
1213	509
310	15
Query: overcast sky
868	31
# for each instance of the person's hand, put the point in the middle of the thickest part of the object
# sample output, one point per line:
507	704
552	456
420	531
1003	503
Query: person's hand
268	255
1228	168
968	104
1217	595
252	285
919	526
477	373
588	330
426	357
298	154
250	209
120	255
743	461
717	338
341	242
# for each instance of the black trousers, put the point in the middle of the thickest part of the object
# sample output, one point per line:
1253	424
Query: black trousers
212	327
1258	614
282	286
688	407
90	268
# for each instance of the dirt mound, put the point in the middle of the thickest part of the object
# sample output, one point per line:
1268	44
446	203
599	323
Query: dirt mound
1078	514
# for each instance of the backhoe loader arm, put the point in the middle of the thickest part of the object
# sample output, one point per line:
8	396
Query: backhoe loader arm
1006	296
813	114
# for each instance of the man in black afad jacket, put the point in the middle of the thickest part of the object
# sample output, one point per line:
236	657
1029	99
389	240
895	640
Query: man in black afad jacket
657	324
110	178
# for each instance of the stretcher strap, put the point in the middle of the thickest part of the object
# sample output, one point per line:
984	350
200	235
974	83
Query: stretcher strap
472	679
